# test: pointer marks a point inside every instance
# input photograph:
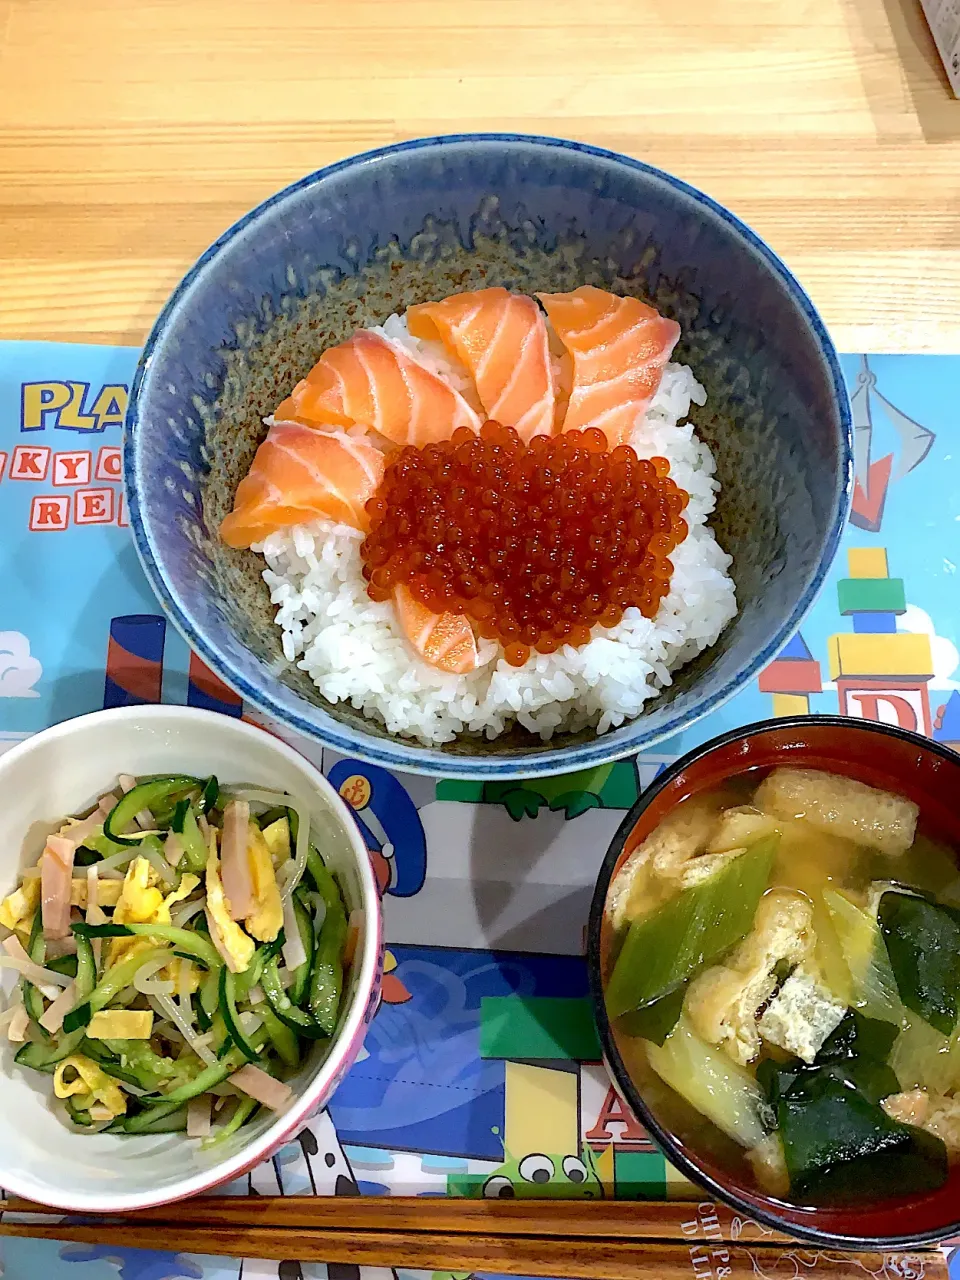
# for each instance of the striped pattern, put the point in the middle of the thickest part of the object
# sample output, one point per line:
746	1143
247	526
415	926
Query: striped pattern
134	671
502	339
298	475
206	690
368	381
619	347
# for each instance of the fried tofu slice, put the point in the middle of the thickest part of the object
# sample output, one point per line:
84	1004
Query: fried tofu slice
840	806
724	1002
640	882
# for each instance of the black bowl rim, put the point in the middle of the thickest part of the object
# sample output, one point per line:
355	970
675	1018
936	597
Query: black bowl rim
613	1060
394	751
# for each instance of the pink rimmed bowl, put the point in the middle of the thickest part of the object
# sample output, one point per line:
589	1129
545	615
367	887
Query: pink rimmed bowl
60	771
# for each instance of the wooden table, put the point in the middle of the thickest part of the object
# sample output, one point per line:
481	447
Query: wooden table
131	134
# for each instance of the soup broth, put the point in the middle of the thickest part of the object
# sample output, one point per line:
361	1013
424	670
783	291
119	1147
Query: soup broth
783	983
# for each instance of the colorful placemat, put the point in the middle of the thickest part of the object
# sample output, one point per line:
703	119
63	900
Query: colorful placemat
482	1055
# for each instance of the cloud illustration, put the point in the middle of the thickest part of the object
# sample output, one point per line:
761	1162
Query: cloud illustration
19	670
946	659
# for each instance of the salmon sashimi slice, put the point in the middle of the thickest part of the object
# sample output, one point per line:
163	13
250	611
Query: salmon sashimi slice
619	347
502	339
299	475
444	640
371	382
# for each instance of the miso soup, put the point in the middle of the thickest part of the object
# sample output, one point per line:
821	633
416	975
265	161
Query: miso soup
784	982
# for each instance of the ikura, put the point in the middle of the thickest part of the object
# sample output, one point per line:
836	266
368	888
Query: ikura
534	543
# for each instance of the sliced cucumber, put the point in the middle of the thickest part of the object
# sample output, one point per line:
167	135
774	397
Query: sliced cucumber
301	976
228	1007
80	1117
297	1020
210	795
242	1113
47	1057
194	846
150	795
282	1038
33	1001
193	944
326	974
168	1118
116	979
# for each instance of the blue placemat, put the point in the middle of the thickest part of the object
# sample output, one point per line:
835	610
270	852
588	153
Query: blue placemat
482	1052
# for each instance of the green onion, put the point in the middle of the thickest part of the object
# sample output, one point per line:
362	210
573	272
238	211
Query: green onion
667	947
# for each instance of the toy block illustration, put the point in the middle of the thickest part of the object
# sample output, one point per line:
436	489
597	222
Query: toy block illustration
791	678
881	673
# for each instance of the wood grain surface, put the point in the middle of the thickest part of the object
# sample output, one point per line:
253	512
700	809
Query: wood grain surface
132	134
610	1219
577	1259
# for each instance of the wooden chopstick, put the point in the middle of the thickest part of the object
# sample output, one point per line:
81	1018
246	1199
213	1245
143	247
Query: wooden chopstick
567	1258
599	1219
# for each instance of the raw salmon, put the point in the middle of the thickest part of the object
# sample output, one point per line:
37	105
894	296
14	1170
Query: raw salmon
502	339
370	382
445	640
619	347
300	474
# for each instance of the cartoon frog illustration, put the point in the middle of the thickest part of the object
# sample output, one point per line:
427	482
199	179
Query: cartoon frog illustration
608	786
536	1176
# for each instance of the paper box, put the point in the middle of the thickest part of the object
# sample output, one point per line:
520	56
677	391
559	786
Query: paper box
944	19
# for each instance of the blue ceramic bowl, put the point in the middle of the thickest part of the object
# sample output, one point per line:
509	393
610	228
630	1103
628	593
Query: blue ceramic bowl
353	242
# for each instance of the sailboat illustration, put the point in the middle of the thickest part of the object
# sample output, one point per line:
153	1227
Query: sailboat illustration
873	479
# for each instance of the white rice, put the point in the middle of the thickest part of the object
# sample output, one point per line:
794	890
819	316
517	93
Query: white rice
354	651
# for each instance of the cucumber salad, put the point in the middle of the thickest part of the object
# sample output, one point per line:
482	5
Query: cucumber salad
179	949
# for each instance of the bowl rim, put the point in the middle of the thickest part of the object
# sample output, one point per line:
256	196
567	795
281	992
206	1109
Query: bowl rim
342	1051
613	1060
394	751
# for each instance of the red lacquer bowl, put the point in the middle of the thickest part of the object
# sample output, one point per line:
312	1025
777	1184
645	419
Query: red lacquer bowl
880	756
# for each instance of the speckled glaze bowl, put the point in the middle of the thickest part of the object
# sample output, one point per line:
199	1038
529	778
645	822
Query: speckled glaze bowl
358	240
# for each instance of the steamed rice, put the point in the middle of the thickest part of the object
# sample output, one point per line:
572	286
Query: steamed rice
354	651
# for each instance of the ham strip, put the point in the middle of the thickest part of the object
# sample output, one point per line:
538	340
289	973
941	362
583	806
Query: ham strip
52	1020
257	1084
17	1027
234	861
198	1117
56	873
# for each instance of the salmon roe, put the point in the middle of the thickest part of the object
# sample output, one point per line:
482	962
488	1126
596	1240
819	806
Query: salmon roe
535	543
